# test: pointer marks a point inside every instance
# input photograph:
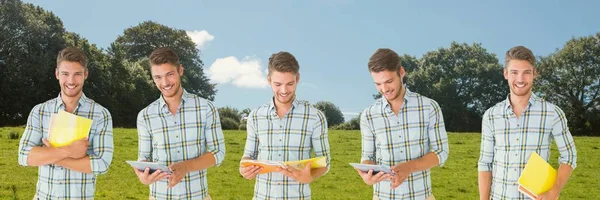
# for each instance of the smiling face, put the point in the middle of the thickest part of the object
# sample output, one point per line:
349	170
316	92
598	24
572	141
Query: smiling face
283	85
167	78
71	77
520	75
389	83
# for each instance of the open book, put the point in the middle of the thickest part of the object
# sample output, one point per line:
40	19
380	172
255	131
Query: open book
271	166
537	177
66	128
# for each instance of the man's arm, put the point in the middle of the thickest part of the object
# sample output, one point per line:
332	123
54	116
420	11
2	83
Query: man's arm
486	157
568	152
438	141
367	139
99	155
31	151
320	144
251	146
215	141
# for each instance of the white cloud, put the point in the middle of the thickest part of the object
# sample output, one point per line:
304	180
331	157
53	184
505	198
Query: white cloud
246	73
200	37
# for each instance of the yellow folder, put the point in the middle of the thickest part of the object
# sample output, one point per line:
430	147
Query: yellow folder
66	128
537	177
271	166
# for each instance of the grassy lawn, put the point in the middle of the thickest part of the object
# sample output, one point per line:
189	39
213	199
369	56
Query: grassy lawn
456	180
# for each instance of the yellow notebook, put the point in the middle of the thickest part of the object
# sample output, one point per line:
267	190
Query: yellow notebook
66	128
537	177
271	166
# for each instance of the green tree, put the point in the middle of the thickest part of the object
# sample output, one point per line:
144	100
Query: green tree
464	79
332	112
30	39
570	78
139	41
229	112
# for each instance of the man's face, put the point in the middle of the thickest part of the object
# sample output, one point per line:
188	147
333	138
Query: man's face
389	83
520	75
284	85
167	78
71	76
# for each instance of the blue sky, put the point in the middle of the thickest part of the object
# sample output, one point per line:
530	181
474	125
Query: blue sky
332	39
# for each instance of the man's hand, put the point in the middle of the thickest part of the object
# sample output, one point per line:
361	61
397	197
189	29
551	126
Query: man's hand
77	149
146	178
179	170
250	172
402	171
371	179
550	195
303	176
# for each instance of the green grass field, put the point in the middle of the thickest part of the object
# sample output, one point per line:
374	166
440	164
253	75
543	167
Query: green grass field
456	180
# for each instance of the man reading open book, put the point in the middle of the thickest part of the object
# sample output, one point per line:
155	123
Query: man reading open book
285	129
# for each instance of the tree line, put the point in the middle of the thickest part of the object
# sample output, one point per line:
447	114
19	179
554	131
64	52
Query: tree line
465	79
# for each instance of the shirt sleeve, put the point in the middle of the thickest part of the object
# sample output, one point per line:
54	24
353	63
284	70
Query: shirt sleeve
251	147
144	138
438	138
368	137
215	141
102	144
32	136
486	153
319	138
564	140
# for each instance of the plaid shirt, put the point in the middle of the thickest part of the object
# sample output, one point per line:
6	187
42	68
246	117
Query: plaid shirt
389	139
55	181
508	141
168	139
301	131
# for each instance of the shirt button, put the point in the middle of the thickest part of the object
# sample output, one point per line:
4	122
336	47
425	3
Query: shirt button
401	151
178	151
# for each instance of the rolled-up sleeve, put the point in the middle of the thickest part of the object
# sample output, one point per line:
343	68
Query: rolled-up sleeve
144	138
319	138
486	153
215	141
251	146
32	136
438	138
102	144
368	137
564	140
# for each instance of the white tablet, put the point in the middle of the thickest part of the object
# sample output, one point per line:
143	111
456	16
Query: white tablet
141	165
376	168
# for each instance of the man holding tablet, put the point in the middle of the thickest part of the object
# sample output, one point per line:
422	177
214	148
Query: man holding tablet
404	130
179	130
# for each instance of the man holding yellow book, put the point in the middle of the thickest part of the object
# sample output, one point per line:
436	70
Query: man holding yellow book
68	166
179	130
285	129
515	128
402	130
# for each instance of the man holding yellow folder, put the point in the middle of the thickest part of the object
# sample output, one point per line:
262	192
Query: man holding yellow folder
69	171
179	130
285	129
517	127
402	130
